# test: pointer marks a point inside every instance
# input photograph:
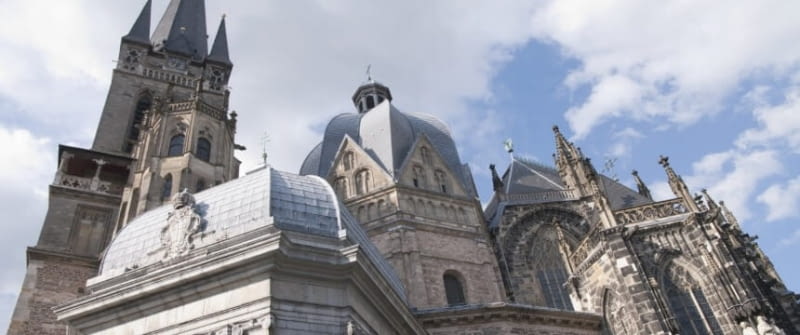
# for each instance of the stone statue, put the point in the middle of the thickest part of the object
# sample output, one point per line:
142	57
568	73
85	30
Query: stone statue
182	223
747	329
766	328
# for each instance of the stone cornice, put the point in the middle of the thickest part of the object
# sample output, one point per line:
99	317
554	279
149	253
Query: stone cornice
480	314
35	253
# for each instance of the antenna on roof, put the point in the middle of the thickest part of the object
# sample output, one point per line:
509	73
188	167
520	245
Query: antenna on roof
264	141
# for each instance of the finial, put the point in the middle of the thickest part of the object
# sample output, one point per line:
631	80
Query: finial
555	129
663	160
369	73
509	145
264	141
224	15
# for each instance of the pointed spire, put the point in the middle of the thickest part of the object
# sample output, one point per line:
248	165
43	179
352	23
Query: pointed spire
182	29
497	183
677	185
140	32
219	51
643	190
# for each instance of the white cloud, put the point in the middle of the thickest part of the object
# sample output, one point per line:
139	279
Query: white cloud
670	61
778	124
782	200
734	177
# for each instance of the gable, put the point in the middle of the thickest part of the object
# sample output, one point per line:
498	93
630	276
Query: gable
354	172
424	168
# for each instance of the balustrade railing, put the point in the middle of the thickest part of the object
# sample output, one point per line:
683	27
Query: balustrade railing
547	196
656	210
87	184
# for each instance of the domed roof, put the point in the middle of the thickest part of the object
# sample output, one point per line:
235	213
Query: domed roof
267	197
387	135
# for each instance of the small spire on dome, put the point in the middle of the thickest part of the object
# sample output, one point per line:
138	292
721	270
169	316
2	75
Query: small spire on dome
370	94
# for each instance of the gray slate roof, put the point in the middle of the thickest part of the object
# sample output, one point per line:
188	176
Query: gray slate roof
387	135
266	197
140	32
182	29
219	51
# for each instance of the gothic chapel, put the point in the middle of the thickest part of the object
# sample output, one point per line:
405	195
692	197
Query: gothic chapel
152	231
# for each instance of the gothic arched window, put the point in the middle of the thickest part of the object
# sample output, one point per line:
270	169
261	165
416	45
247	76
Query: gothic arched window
689	307
453	290
176	145
550	271
166	189
142	105
203	149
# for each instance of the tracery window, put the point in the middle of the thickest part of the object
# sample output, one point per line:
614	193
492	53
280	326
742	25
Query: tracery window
690	307
203	149
550	271
176	145
453	290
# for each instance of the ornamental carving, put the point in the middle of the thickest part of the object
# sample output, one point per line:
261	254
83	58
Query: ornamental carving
255	326
651	211
177	236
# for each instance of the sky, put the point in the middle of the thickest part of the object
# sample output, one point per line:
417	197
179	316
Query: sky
714	85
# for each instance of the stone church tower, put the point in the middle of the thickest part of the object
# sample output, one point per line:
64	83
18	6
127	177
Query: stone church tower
573	239
165	127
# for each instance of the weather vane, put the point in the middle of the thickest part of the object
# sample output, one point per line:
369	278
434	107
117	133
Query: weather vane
509	145
369	72
264	141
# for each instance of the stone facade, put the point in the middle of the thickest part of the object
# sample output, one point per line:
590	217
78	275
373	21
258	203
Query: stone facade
381	233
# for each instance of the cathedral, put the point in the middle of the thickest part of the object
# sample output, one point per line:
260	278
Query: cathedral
153	231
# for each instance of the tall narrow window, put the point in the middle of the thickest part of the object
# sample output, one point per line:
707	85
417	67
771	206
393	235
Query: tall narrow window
690	308
363	181
426	155
166	189
370	102
340	186
453	290
203	149
419	176
176	145
550	270
441	180
348	161
135	128
201	185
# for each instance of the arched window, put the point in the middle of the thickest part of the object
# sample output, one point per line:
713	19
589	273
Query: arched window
340	186
176	145
419	176
348	161
370	102
689	306
362	182
201	185
441	180
203	149
166	189
426	155
453	290
550	271
138	116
